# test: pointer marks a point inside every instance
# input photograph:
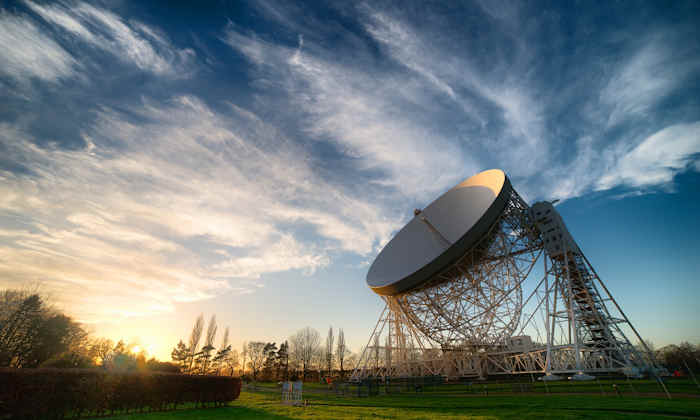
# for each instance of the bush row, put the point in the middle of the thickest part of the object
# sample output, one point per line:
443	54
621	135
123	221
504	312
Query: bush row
61	393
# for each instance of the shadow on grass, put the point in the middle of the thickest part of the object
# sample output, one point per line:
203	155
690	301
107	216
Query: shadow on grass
237	412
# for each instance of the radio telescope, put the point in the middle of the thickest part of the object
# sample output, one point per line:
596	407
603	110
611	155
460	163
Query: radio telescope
453	278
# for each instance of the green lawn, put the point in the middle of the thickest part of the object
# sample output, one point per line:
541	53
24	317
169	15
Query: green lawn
265	404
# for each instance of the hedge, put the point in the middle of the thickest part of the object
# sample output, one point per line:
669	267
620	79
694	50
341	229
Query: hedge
74	393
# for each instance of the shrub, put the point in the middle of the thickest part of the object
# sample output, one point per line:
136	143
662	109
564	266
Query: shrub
59	393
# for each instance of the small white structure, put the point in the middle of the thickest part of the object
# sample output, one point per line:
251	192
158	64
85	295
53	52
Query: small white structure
286	391
292	392
296	391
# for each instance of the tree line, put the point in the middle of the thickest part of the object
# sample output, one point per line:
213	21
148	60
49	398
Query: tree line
301	355
684	357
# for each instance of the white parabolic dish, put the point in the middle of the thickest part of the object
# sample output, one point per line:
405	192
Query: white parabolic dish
440	234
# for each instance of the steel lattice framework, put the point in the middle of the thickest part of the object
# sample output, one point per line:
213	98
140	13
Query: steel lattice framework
477	300
468	321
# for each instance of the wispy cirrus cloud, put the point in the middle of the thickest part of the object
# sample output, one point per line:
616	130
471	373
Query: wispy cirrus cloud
657	68
625	143
506	106
478	93
27	53
132	42
369	116
186	204
657	159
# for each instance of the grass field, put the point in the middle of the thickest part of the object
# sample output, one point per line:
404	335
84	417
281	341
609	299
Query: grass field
451	402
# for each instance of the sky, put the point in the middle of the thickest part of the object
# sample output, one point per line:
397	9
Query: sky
250	159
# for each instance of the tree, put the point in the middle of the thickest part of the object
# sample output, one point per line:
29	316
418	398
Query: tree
645	348
270	362
195	336
181	354
318	360
341	350
232	361
256	354
329	350
351	358
222	354
682	357
244	354
305	345
102	348
122	359
205	354
283	358
120	347
157	366
58	337
17	332
32	334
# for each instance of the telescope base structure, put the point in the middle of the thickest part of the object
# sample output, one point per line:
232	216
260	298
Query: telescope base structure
470	322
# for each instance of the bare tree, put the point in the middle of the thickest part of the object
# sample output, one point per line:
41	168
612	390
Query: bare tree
244	354
329	350
351	359
195	336
295	351
232	362
256	353
646	349
102	349
318	360
341	350
305	344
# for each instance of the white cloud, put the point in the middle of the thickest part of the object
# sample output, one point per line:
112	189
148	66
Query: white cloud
137	220
369	111
657	69
527	147
450	73
27	53
283	255
58	15
132	42
360	112
657	159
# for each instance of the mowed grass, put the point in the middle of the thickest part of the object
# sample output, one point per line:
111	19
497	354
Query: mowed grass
267	405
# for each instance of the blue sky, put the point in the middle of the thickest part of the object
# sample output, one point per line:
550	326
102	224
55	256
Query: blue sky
251	158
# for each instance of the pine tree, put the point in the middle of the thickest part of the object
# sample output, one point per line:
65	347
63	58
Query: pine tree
181	355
